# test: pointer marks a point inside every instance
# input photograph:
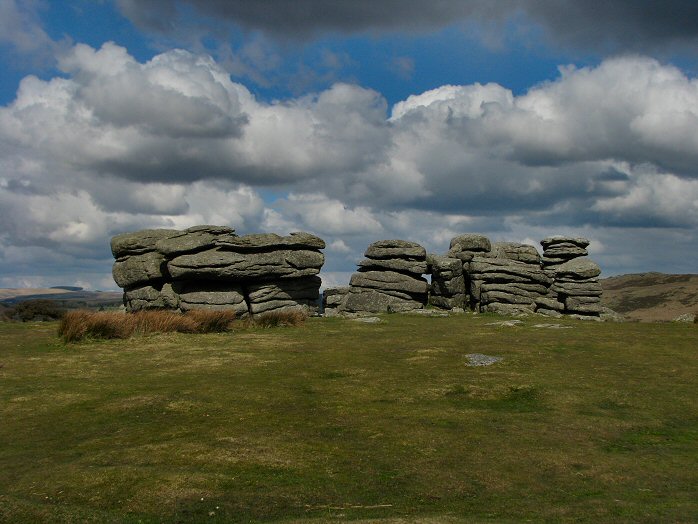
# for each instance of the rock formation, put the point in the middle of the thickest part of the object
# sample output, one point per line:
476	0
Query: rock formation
503	277
389	279
212	267
447	282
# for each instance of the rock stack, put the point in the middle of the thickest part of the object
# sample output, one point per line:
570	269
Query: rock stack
558	249
577	287
389	279
508	279
212	267
447	289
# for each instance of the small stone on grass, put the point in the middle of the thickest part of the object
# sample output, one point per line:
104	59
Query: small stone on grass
478	359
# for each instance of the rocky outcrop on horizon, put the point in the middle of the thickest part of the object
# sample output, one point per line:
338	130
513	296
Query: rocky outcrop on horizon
504	277
212	267
389	279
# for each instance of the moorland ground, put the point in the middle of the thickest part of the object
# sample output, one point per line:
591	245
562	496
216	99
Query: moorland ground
338	419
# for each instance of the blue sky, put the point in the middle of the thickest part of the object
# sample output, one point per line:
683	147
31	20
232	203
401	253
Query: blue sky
354	120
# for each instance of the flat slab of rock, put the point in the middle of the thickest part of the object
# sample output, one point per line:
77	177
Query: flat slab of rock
565	250
390	280
516	288
504	298
416	267
551	326
268	241
396	249
218	264
478	359
511	310
197	293
191	240
374	301
559	239
138	242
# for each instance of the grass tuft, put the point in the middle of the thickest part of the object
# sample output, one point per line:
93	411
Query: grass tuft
282	318
211	321
83	324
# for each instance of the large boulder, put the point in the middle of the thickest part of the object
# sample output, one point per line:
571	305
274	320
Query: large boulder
470	242
212	267
361	300
578	268
138	242
139	269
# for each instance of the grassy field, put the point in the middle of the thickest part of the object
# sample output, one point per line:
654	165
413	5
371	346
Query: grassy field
339	420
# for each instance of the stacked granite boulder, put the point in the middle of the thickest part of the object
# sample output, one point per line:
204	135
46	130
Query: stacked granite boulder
577	286
576	289
560	249
506	278
212	267
447	289
389	279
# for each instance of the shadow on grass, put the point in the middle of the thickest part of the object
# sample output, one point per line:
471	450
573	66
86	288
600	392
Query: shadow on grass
514	399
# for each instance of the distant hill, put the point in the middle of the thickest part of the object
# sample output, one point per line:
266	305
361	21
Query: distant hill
67	297
651	297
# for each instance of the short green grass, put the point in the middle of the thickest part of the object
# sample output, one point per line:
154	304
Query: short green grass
341	420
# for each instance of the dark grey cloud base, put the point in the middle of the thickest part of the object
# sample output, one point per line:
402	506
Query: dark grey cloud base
618	25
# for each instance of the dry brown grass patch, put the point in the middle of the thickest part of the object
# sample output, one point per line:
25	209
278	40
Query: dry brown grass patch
212	321
82	324
281	318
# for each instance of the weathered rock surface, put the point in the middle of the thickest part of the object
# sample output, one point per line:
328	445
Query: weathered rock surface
400	249
150	297
139	242
332	300
229	265
512	277
470	242
211	295
139	269
269	241
447	282
300	293
194	239
375	301
578	268
560	239
417	267
210	267
502	270
519	252
388	280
